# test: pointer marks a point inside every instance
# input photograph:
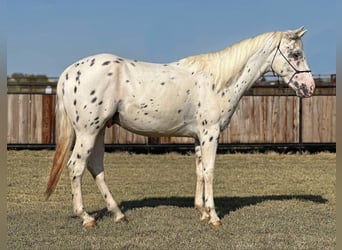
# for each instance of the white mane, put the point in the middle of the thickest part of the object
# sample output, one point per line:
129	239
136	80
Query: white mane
226	64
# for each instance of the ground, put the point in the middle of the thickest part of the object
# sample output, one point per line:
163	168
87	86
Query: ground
265	201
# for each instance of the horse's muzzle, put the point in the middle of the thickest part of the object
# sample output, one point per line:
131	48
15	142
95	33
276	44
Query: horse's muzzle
303	89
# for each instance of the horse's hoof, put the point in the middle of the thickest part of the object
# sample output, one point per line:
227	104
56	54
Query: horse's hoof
205	219
216	223
90	224
122	220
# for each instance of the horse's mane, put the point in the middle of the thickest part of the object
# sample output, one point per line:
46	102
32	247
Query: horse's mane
224	65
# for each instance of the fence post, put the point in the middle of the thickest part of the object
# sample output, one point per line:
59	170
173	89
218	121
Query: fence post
300	127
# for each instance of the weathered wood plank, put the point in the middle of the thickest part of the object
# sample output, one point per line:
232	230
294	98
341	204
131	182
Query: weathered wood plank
258	119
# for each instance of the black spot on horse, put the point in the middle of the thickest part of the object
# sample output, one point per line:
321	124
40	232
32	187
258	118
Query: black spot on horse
211	138
105	63
92	92
67	76
92	62
179	110
78	156
94	99
75	102
100	103
109	74
162	83
117	61
75	89
133	64
77	118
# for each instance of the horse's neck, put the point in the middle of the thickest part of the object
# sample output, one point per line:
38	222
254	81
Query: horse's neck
248	59
247	71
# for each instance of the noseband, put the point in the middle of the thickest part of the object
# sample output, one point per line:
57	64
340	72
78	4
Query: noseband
293	67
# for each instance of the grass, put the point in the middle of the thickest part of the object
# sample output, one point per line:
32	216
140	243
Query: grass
265	201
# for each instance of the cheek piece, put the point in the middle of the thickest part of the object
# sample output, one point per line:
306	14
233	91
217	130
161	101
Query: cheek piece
293	67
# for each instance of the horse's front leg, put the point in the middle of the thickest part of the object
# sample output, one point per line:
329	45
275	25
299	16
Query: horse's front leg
208	144
199	196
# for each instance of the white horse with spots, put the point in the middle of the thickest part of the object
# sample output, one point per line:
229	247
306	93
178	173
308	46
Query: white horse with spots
194	97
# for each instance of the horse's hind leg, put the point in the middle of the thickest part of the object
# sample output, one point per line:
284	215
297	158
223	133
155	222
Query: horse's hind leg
77	163
95	166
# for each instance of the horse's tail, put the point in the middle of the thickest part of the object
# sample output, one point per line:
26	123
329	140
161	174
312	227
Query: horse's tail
64	141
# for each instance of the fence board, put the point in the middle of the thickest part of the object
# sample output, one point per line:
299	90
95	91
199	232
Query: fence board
23	115
258	119
319	119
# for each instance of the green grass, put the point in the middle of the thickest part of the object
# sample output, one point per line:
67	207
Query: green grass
265	201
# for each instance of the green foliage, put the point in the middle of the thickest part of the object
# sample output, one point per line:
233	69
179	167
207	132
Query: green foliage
31	78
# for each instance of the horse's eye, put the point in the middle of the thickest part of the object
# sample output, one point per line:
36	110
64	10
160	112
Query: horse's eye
296	55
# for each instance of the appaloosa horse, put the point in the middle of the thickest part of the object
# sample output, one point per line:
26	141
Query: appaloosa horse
195	97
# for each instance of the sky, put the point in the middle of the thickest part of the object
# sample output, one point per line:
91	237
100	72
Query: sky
45	36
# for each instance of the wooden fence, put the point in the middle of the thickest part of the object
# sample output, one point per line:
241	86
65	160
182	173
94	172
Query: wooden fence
266	114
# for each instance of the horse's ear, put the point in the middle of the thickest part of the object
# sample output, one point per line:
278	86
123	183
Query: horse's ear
296	34
300	32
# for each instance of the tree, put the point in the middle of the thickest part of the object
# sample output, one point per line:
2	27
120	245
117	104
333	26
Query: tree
20	77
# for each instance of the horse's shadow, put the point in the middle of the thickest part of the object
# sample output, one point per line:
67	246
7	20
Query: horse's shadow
224	205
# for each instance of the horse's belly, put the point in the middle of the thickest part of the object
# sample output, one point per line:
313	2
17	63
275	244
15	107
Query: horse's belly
149	122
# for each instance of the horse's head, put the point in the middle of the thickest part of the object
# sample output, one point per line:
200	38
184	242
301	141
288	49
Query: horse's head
289	62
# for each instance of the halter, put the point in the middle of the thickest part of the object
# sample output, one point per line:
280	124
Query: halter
293	67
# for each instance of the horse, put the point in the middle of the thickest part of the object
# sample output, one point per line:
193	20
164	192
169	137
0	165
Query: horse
193	97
